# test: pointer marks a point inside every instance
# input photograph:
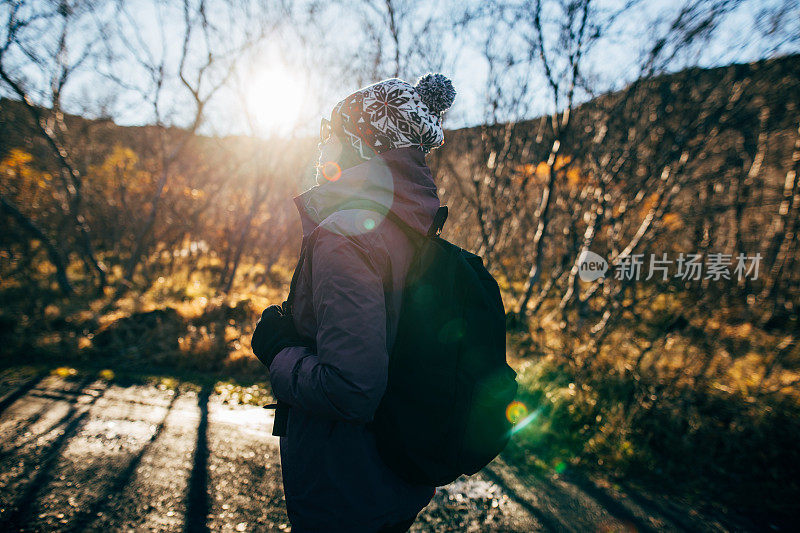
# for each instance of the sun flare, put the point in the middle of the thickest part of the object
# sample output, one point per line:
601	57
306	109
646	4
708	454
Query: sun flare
275	99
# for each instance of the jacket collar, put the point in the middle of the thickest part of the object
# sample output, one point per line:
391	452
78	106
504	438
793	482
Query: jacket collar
398	179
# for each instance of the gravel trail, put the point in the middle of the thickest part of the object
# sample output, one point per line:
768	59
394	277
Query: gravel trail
88	455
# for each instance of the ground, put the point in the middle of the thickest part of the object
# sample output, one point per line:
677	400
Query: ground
86	454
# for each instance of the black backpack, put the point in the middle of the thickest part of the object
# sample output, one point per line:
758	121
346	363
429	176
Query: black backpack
444	410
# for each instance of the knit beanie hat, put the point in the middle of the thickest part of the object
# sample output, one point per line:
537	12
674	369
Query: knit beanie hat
394	114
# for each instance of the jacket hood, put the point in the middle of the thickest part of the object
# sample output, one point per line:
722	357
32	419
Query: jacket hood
398	179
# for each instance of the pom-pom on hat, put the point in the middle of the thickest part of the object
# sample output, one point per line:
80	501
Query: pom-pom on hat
394	114
436	91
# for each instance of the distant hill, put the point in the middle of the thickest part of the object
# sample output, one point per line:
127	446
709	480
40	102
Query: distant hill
775	80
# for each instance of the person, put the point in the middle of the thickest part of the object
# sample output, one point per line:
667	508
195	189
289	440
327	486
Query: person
347	299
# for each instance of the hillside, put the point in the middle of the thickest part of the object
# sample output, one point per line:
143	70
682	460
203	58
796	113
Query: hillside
775	81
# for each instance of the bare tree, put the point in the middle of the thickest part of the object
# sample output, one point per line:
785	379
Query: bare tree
397	38
53	253
206	63
27	50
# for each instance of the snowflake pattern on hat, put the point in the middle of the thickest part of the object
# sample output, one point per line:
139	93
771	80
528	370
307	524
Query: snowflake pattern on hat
386	115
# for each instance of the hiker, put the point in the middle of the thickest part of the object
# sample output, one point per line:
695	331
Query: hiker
328	359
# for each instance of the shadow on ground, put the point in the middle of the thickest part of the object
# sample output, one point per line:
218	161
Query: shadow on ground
80	452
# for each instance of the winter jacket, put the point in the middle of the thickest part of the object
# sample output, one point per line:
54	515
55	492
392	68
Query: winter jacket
348	299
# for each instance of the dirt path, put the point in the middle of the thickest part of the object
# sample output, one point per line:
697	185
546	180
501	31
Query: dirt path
85	455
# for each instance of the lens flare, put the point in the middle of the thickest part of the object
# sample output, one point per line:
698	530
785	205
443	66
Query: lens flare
516	411
369	223
522	424
331	170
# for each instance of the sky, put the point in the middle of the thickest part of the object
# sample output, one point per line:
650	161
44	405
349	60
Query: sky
284	88
614	62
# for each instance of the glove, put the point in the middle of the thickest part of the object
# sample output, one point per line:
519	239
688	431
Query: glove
274	331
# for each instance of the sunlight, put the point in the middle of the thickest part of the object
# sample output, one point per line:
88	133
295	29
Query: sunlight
275	99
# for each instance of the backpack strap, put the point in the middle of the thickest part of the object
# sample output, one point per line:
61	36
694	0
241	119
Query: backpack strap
438	221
